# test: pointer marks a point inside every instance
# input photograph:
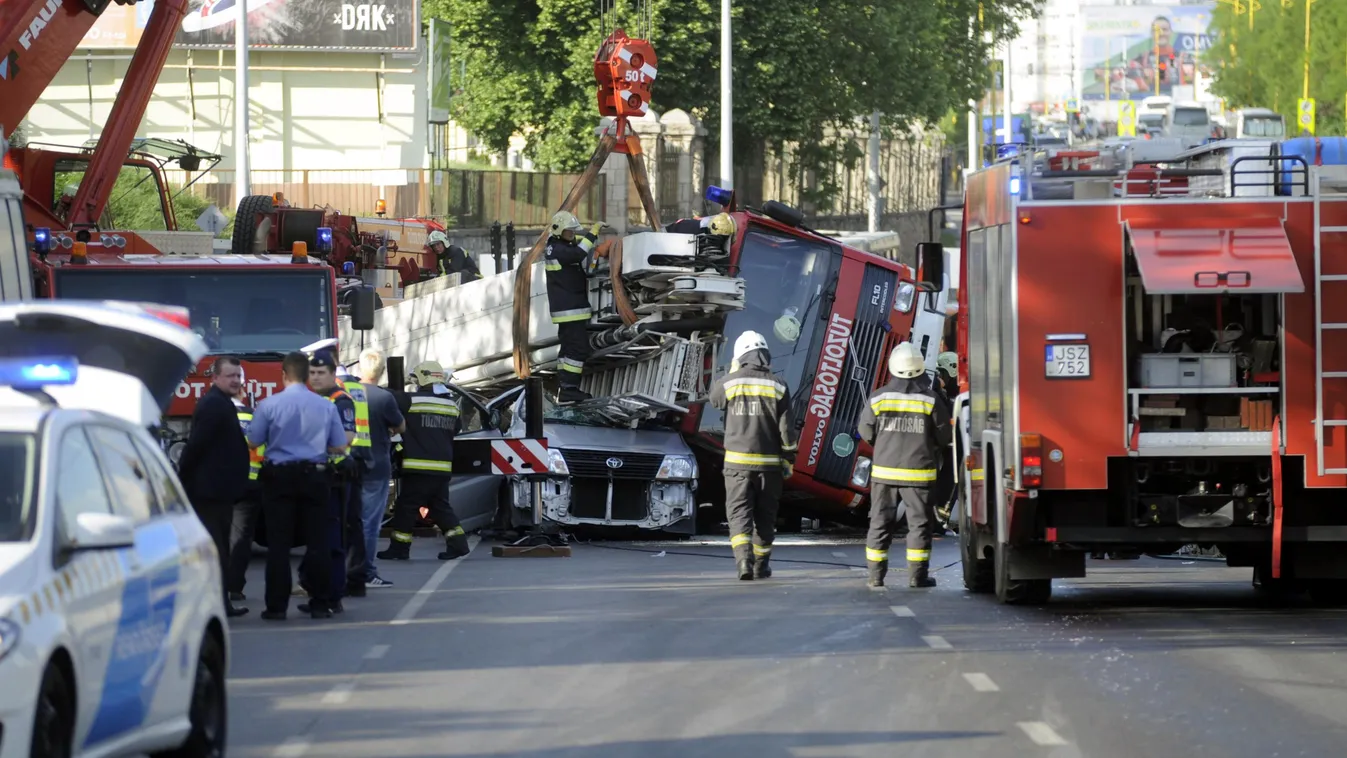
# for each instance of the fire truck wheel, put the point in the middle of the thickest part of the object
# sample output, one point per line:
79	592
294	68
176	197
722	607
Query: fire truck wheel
1023	592
250	211
977	571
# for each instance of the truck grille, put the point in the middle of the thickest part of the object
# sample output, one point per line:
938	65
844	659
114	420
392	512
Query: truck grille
594	463
589	497
863	360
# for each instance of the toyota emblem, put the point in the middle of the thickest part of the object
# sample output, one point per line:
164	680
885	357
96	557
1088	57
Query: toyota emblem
614	463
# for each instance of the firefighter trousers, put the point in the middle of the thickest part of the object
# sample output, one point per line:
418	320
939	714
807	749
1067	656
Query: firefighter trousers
752	499
884	500
575	350
416	491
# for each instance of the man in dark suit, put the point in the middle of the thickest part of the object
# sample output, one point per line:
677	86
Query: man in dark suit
214	462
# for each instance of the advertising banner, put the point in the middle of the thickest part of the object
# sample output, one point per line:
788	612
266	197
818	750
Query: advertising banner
391	26
441	71
1138	51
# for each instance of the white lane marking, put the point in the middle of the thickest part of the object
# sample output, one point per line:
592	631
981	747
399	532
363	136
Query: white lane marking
339	694
1041	733
376	652
417	601
937	642
857	568
981	682
839	554
902	611
295	747
880	588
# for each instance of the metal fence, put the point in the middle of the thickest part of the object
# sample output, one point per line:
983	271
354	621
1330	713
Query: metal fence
466	198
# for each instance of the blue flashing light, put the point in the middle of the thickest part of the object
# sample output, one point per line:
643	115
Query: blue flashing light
718	195
324	239
886	326
348	268
1007	150
1014	185
42	240
35	373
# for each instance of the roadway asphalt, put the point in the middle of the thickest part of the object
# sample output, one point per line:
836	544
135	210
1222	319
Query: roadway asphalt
642	653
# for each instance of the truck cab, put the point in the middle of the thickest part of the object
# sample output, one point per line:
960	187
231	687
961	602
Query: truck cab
1262	123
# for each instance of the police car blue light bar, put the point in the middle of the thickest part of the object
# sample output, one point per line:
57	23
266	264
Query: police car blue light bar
36	373
718	195
324	239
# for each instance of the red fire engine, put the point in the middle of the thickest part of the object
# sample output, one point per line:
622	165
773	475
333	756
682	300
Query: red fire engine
1151	369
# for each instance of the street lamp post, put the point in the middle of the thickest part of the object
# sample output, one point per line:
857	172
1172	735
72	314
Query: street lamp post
726	99
242	186
1305	90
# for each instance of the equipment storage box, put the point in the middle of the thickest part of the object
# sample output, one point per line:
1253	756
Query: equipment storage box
1188	370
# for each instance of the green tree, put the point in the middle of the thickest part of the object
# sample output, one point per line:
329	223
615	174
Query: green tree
800	71
1263	67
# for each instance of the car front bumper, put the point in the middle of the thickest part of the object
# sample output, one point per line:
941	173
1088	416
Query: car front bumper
593	501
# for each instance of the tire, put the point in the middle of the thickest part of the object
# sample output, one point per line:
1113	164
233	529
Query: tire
977	572
1024	592
54	719
245	222
208	712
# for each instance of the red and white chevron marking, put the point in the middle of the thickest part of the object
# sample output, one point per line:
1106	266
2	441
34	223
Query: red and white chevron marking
524	456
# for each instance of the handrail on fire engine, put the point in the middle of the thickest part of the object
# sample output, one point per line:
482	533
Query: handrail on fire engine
1269	159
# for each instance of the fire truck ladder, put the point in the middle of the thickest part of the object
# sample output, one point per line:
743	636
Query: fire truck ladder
667	368
1318	179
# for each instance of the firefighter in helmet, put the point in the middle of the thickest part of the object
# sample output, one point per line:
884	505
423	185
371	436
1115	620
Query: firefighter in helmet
759	450
452	259
907	422
719	225
566	262
427	465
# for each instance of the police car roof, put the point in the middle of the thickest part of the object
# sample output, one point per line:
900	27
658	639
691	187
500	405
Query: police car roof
110	393
16	416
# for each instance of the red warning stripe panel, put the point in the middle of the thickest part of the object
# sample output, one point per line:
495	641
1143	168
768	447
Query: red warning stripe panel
521	456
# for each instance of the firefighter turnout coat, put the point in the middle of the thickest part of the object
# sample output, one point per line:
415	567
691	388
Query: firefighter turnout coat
907	423
428	442
758	425
567	280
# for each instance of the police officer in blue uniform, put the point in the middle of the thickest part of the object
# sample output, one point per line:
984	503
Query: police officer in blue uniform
299	430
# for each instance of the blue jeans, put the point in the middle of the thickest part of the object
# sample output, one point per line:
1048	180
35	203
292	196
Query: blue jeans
374	503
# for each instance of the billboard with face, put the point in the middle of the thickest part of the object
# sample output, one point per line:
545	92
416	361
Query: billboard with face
1135	52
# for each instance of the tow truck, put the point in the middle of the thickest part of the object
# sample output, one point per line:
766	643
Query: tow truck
1150	363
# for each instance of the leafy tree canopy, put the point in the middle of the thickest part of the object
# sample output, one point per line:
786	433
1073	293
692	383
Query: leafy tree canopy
799	69
1263	66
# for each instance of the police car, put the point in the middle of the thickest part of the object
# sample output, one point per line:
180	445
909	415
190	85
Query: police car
113	638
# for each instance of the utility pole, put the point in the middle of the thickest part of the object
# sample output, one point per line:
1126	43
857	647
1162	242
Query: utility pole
1305	91
875	209
726	98
242	187
1005	92
973	117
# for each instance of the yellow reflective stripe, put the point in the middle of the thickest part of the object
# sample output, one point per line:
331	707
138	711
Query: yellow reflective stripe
585	244
433	410
918	556
574	314
872	554
739	540
438	406
903	474
762	549
421	464
752	459
977	475
571	367
454	532
901	406
732	392
401	537
551	266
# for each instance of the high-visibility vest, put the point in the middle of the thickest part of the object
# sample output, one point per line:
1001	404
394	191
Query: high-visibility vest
255	455
357	393
340	393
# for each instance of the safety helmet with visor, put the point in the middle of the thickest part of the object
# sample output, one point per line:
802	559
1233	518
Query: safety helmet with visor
906	362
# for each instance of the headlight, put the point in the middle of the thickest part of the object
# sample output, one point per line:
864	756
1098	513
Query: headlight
677	467
557	464
907	295
9	637
860	475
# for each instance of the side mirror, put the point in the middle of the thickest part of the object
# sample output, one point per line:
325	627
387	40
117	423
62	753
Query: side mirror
101	531
495	420
362	308
931	266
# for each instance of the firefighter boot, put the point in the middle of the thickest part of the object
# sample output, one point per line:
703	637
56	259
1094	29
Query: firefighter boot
743	559
762	566
918	574
568	395
397	551
878	569
455	544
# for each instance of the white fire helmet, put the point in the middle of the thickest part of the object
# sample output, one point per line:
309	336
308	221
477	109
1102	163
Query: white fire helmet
747	343
948	362
905	362
563	220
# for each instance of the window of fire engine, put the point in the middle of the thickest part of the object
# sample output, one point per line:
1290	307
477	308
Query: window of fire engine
246	311
787	280
136	200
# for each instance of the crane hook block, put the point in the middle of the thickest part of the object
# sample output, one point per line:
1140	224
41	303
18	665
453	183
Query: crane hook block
625	70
